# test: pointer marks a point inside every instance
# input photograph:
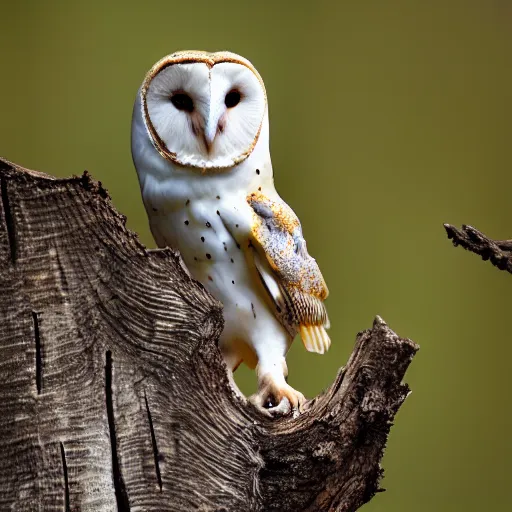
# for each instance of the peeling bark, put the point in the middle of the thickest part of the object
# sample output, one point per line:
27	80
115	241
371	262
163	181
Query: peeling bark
114	396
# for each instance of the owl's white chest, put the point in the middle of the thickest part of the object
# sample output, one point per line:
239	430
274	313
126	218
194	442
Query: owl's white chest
209	232
208	219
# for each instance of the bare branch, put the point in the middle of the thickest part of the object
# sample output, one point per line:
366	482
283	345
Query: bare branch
499	252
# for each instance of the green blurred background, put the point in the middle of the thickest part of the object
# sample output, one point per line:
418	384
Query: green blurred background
387	119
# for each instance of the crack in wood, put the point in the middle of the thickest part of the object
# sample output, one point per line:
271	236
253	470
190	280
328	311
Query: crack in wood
66	481
9	221
153	443
119	486
62	272
39	357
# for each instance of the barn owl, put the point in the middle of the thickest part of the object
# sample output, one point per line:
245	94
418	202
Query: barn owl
200	145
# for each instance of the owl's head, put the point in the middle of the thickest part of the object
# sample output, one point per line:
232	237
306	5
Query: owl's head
203	110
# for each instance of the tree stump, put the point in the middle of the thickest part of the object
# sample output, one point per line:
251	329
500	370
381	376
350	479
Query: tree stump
114	396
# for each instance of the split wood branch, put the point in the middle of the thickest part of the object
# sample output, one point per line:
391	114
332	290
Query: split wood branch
114	395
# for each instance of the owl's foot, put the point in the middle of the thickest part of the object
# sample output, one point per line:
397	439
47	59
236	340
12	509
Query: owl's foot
276	397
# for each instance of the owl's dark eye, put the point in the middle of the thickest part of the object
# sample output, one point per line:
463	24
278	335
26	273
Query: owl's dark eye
232	99
182	101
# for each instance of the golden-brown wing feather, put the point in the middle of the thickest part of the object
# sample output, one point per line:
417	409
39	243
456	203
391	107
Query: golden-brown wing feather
294	282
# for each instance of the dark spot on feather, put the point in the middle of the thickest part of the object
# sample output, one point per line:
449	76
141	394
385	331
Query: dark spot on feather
218	213
225	248
278	309
253	311
208	225
259	188
232	260
209	256
188	202
186	223
257	171
202	239
233	282
218	197
210	278
236	225
238	245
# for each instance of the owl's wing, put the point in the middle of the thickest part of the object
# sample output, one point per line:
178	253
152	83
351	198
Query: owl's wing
290	275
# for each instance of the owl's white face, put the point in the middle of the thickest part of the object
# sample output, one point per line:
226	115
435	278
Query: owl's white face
203	110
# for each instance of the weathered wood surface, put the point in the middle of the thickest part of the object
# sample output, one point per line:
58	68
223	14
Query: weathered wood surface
113	395
498	252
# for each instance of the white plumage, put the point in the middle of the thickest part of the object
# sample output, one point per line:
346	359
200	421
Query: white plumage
200	144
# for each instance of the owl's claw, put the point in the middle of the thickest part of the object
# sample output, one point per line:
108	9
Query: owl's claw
277	399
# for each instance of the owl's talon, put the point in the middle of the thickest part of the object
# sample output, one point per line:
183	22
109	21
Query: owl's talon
283	408
286	399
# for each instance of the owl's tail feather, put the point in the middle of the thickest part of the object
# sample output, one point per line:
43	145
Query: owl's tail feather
315	338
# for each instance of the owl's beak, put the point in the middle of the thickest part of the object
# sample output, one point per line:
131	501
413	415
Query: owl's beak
209	135
211	129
